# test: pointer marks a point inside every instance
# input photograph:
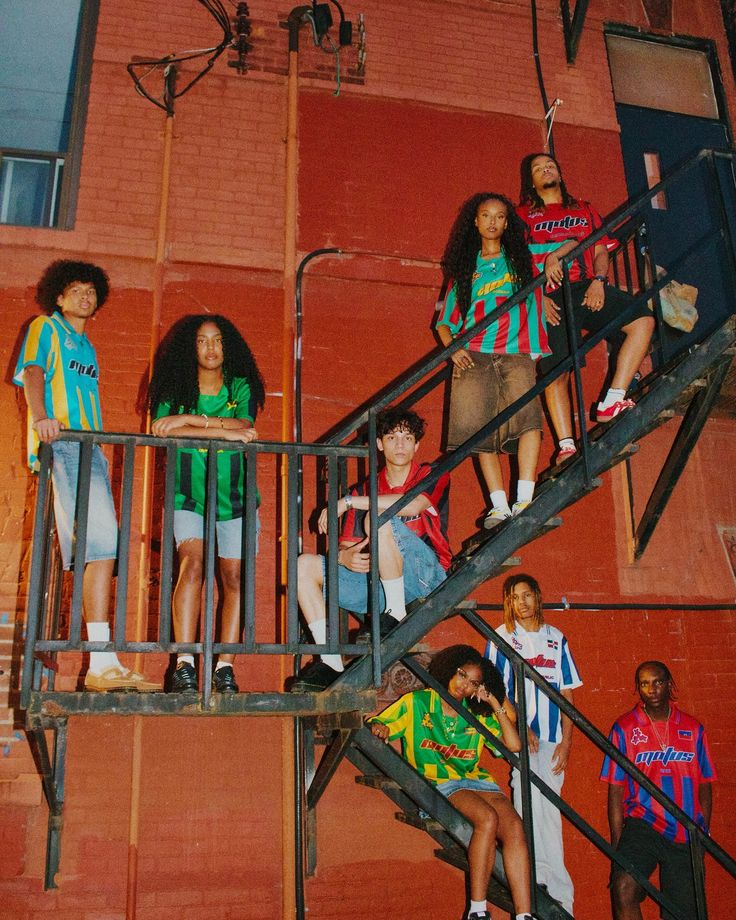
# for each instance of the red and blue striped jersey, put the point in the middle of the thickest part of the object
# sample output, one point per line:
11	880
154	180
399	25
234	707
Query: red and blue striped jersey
677	760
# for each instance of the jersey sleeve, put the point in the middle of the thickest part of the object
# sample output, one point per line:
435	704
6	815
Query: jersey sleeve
570	679
610	771
493	726
397	717
162	410
36	349
450	313
245	403
705	764
436	495
351	526
596	222
497	657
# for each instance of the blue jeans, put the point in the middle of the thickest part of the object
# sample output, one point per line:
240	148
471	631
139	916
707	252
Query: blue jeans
188	525
422	573
102	522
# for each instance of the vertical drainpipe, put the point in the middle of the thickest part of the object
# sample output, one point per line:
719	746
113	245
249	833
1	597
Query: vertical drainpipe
148	469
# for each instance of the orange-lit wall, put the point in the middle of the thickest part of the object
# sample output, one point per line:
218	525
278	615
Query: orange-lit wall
448	105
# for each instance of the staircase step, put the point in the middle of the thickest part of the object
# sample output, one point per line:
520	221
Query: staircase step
414	819
377	781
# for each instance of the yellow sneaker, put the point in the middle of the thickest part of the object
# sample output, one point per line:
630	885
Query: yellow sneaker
117	678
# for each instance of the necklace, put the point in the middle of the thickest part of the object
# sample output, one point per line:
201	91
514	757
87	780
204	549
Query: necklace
663	744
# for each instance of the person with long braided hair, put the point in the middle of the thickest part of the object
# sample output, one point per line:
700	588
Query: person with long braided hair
206	384
486	261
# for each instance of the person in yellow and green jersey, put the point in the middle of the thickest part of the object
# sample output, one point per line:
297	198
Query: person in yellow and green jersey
206	384
445	749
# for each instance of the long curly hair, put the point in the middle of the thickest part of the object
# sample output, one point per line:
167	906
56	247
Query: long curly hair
464	244
175	378
444	665
60	274
528	194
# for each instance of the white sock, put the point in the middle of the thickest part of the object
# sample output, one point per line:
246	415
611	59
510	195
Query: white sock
611	397
478	907
223	664
319	634
567	442
395	603
185	659
525	490
500	501
523	916
101	661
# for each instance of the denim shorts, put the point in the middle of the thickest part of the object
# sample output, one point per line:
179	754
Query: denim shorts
422	573
188	525
476	785
102	522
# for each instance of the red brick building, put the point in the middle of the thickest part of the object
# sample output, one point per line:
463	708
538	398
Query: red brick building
436	101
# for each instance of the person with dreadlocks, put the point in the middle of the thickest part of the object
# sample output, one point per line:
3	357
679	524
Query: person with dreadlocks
558	220
206	384
671	748
486	260
549	730
445	749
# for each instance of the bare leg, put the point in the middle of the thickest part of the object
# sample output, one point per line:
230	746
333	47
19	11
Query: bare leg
309	592
529	444
490	467
557	396
231	624
626	896
515	854
97	588
188	592
638	335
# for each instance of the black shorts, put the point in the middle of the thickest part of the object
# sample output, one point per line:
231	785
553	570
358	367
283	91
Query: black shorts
615	302
646	849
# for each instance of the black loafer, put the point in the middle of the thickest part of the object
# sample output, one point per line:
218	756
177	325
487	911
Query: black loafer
315	677
223	680
184	678
364	635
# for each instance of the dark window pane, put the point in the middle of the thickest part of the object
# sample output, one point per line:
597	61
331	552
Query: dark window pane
29	190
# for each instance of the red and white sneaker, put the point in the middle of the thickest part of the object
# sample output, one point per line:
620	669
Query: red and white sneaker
609	414
564	453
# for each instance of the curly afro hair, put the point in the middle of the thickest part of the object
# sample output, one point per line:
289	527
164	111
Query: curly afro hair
445	664
60	274
396	418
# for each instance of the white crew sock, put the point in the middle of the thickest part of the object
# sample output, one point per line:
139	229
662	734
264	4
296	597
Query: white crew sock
223	664
395	603
523	917
101	661
478	907
319	634
525	490
500	501
185	659
611	397
567	442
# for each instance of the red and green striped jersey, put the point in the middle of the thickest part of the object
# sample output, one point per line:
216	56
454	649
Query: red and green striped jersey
191	464
439	747
520	331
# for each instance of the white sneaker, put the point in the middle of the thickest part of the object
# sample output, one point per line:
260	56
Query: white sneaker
518	507
494	517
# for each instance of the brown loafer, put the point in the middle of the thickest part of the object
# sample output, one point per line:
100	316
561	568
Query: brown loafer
116	678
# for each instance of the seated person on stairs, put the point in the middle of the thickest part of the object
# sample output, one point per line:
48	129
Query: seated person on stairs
445	749
413	551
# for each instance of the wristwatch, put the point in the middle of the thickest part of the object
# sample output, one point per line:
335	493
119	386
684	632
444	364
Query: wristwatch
602	278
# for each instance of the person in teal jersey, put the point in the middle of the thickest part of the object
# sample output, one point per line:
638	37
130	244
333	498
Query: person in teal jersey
445	749
206	384
59	373
486	260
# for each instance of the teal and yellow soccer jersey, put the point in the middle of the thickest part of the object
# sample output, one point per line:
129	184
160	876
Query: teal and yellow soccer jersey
439	747
69	363
191	464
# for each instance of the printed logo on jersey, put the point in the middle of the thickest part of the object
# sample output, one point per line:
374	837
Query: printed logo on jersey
541	662
553	644
232	405
70	343
666	756
427	721
638	737
491	286
564	223
448	750
84	370
516	644
684	733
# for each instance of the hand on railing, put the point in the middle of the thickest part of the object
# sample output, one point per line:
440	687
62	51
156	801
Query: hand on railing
48	429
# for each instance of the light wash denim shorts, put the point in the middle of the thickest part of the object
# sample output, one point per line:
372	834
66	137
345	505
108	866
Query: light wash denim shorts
476	785
422	573
188	525
102	522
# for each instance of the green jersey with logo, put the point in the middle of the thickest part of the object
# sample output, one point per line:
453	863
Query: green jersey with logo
439	747
191	464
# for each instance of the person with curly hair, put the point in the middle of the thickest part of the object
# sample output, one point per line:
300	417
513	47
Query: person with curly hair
59	373
445	749
559	221
206	384
487	260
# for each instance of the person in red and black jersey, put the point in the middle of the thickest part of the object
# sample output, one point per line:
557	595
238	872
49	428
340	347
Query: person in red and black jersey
670	747
554	216
413	550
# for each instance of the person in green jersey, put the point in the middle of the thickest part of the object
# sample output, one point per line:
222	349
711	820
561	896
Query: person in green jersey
486	261
445	749
206	384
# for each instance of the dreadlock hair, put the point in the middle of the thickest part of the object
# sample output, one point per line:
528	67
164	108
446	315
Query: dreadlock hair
509	621
660	666
60	274
175	378
396	418
444	666
528	194
464	244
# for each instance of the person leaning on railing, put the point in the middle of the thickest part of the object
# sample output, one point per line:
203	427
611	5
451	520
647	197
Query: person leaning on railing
59	373
559	221
206	384
443	748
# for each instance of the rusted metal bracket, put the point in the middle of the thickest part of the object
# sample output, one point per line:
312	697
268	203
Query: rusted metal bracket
51	767
572	26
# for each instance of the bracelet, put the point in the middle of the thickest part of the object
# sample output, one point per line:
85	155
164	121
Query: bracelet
348	502
500	712
206	421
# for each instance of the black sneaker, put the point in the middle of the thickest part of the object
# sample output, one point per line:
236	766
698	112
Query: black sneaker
223	680
484	916
184	678
388	622
315	677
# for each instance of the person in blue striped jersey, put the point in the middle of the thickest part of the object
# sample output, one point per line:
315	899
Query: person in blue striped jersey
546	649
